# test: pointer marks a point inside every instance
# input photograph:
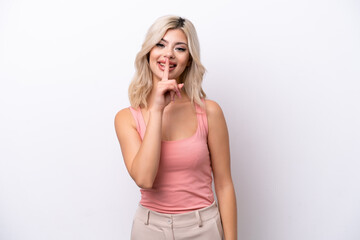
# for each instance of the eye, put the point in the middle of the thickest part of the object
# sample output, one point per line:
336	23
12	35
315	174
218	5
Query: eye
160	45
181	49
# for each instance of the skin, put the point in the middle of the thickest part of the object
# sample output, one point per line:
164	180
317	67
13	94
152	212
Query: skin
171	116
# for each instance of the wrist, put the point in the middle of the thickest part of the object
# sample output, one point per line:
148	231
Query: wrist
155	111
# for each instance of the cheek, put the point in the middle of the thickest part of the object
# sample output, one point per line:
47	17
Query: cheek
187	60
151	58
153	55
153	63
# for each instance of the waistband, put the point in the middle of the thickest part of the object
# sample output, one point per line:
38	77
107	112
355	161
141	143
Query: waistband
196	217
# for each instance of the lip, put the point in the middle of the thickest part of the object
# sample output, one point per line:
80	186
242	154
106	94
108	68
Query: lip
162	68
170	62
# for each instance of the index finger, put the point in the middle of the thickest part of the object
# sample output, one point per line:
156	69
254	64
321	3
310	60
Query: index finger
166	71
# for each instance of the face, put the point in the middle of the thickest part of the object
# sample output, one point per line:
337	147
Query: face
173	46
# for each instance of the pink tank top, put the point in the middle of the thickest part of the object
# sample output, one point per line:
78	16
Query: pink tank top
184	180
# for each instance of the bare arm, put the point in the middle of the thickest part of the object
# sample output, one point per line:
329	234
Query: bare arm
142	156
218	140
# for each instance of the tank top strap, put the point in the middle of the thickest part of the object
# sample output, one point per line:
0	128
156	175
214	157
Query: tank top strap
139	119
202	118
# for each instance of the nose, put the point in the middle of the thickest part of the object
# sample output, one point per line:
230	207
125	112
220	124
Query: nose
169	53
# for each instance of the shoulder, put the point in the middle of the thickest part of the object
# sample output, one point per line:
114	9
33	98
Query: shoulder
213	109
123	115
215	117
124	118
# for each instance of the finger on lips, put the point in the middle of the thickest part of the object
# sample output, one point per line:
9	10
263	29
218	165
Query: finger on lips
166	70
176	87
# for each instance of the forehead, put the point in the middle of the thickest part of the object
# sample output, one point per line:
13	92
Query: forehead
175	35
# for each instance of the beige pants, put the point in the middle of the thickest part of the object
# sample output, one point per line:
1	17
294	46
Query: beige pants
202	224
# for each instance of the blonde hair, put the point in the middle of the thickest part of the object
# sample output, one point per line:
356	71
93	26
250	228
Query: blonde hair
192	76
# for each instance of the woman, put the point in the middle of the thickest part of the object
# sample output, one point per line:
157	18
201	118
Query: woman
173	140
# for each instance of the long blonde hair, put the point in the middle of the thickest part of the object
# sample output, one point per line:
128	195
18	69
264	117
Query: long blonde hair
192	76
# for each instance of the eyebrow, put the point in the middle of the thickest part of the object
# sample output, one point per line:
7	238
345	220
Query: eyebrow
175	43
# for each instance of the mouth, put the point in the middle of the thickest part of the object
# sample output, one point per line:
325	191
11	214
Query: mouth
172	66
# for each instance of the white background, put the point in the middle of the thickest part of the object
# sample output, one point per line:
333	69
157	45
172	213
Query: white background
286	74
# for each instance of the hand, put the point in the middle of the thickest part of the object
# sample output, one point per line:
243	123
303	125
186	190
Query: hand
166	89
